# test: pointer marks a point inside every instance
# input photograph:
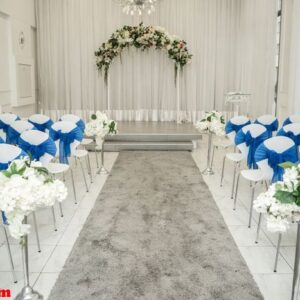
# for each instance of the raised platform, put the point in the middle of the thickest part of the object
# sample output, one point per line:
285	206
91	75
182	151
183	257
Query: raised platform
153	136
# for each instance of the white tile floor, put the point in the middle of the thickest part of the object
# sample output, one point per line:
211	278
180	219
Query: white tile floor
56	246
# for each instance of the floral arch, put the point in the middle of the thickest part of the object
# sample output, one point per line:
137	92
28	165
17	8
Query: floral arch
142	37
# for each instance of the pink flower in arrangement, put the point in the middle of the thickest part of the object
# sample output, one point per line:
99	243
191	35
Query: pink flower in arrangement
180	45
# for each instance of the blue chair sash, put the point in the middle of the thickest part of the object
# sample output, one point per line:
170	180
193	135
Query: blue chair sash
37	151
230	127
4	166
291	135
13	135
274	159
4	219
43	126
287	122
1	141
65	141
5	126
270	127
252	144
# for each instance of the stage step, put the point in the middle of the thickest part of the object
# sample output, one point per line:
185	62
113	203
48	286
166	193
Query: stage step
144	145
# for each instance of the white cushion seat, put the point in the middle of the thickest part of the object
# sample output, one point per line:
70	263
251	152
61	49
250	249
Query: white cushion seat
78	153
235	157
86	141
254	175
57	168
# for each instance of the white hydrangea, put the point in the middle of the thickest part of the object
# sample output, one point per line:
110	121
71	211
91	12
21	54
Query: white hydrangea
279	212
25	190
212	122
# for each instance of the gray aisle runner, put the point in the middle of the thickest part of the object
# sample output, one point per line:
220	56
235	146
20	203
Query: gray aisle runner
155	233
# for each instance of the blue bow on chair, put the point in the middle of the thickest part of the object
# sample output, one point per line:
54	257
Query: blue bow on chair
291	135
275	158
287	122
270	127
37	151
5	126
230	127
65	141
4	219
252	144
43	126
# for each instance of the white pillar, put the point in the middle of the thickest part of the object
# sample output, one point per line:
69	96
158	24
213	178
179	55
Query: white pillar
108	94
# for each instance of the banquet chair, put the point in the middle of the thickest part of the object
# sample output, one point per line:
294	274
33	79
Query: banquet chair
270	122
8	153
39	147
231	128
6	120
268	156
80	153
67	137
292	119
15	130
41	122
247	140
293	132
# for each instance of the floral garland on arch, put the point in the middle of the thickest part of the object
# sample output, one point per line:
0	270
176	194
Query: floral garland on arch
142	37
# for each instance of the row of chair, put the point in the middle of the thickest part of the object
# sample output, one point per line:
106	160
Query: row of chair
263	153
45	141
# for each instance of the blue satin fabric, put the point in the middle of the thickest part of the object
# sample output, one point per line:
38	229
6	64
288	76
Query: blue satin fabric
291	135
13	135
270	127
37	151
4	166
274	159
252	144
43	126
65	141
4	220
287	122
1	141
230	127
5	126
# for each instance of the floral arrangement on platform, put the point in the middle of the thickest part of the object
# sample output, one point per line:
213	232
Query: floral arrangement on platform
213	122
100	126
281	202
24	187
142	37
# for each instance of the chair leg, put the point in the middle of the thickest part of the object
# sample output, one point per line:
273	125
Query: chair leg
277	252
73	185
97	161
89	167
251	205
236	191
61	209
10	256
233	180
223	167
36	232
83	174
258	228
54	218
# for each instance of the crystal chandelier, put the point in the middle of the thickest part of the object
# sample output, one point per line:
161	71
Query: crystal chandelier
131	7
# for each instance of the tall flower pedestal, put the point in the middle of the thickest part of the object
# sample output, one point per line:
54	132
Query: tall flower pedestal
100	141
209	170
27	293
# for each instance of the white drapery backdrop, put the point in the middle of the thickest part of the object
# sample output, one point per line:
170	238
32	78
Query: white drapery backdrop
233	43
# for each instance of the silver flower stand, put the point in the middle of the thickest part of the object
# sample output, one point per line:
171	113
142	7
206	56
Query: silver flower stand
102	170
27	293
296	266
209	170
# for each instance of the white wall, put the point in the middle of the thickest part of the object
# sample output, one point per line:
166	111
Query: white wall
17	63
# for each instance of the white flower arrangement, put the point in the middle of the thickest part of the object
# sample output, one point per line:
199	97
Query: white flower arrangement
100	126
142	37
24	187
213	122
281	202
